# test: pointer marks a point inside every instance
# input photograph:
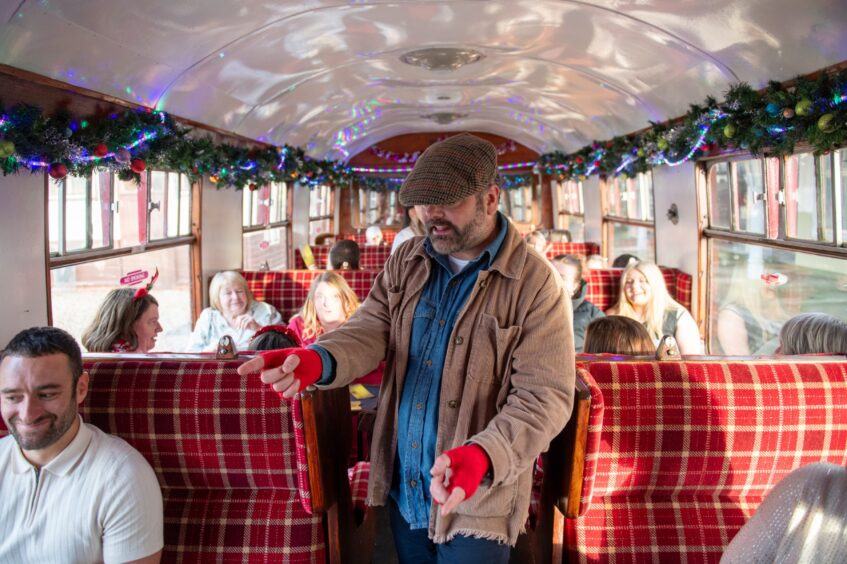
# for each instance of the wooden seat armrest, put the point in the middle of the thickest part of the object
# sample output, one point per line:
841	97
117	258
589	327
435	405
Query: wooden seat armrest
574	439
326	426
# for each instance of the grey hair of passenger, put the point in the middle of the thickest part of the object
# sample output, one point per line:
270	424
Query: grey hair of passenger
811	333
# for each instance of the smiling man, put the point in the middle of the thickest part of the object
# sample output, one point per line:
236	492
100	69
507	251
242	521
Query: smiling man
479	373
70	492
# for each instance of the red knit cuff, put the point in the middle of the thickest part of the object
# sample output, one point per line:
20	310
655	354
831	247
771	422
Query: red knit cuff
307	372
468	465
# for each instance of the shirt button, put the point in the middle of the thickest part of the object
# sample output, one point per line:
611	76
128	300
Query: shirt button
413	483
419	406
441	322
459	340
428	363
452	403
414	444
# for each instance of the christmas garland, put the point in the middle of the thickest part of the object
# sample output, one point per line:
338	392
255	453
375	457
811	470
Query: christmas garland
772	122
130	141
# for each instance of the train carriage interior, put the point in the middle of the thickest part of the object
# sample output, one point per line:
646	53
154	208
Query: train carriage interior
160	142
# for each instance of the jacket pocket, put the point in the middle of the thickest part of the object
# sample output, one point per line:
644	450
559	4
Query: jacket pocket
490	501
493	346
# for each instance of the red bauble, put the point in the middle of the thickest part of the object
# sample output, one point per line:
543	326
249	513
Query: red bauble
57	171
578	160
138	165
101	150
253	187
596	163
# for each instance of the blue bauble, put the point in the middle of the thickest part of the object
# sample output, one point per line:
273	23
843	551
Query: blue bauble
772	109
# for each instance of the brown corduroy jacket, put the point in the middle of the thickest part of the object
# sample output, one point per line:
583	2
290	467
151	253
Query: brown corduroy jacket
507	383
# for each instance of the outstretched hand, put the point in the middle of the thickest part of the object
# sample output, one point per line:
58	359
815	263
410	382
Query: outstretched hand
288	371
456	475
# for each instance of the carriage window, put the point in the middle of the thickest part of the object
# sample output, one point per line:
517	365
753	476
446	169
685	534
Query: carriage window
80	214
265	221
379	208
756	289
78	290
320	211
811	184
570	210
628	221
169	205
517	203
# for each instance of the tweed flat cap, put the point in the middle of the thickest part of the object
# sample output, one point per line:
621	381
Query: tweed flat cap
449	171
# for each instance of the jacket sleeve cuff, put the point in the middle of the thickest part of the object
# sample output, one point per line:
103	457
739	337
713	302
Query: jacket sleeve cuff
328	364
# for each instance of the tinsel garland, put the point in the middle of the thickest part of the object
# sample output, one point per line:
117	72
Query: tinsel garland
772	122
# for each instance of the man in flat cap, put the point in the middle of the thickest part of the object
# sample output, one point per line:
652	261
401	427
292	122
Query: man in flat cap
479	353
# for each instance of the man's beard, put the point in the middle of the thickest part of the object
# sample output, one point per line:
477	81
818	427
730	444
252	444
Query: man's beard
457	240
59	425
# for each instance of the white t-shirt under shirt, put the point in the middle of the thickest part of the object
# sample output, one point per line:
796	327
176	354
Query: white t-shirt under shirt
97	501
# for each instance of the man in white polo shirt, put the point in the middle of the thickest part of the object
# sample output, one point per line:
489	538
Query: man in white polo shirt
70	493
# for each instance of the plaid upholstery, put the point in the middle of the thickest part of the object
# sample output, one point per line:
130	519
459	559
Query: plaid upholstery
370	258
577	249
286	290
228	453
604	285
358	476
387	236
688	449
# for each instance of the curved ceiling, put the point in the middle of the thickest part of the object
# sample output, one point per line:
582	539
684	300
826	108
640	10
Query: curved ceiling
327	76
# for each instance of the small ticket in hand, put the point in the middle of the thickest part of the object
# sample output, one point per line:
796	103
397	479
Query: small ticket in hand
360	392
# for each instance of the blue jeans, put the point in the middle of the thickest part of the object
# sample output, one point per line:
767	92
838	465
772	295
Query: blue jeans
414	547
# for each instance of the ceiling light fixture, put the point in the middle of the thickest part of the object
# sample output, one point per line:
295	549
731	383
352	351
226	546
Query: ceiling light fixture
441	58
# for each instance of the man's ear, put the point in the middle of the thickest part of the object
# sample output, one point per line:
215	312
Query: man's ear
492	198
82	388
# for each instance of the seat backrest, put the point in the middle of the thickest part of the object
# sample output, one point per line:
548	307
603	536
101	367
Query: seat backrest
604	285
576	249
229	453
286	290
370	257
387	236
688	449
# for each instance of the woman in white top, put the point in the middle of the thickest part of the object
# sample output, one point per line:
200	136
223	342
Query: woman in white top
644	297
412	228
233	312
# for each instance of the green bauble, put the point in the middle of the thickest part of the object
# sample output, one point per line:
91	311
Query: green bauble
641	152
7	148
662	144
729	131
803	107
825	123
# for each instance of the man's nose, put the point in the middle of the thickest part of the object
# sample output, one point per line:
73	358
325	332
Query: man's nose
30	410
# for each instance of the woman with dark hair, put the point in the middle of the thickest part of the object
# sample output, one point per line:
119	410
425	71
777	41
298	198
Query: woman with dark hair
813	333
127	321
616	334
274	337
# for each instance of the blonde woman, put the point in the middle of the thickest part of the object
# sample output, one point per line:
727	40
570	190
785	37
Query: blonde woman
329	304
233	312
644	297
127	322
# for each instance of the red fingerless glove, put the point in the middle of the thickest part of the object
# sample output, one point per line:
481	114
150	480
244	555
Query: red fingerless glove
468	465
307	372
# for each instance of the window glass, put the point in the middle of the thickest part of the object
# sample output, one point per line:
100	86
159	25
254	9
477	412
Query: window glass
130	221
246	208
750	194
101	198
720	195
631	239
54	218
825	163
266	249
77	292
630	198
517	203
76	210
756	289
157	205
317	227
279	202
319	201
801	197
841	160
574	224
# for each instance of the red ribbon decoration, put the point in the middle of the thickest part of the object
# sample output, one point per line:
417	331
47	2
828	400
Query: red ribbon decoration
143	291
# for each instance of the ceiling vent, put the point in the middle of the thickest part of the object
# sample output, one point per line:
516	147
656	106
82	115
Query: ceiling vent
444	118
441	58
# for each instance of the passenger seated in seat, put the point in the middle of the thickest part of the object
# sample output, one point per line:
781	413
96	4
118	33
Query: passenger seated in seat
126	322
373	235
644	297
344	255
803	519
624	260
233	311
273	337
616	334
813	333
329	304
538	241
569	268
412	227
71	493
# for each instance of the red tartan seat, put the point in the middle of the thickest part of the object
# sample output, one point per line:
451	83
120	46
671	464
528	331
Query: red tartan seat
370	258
576	249
686	450
387	236
286	290
604	285
229	453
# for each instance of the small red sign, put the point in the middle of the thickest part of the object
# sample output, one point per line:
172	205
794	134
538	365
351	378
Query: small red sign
264	245
134	277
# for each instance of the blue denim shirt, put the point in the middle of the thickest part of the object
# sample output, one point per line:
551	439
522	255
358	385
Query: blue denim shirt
442	299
